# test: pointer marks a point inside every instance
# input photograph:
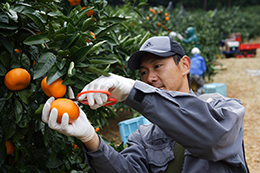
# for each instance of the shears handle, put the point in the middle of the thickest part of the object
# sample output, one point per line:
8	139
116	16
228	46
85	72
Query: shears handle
110	101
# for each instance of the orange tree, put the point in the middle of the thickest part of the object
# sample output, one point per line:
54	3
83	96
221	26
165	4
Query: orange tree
76	41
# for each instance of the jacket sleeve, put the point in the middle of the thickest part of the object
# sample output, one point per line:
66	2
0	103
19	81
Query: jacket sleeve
106	159
211	129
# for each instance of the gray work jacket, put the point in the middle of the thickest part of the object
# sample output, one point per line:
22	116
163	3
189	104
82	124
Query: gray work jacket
210	129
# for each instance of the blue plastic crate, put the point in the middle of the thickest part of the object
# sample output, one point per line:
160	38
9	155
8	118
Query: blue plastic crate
127	127
220	88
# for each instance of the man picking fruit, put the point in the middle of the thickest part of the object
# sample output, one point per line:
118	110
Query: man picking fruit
188	133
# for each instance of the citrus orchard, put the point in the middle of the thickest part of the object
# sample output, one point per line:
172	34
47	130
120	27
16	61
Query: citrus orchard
64	105
55	89
17	79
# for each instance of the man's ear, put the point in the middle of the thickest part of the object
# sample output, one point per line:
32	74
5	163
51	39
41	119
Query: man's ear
185	65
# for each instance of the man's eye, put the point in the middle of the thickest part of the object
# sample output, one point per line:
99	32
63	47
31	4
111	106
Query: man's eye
158	65
143	73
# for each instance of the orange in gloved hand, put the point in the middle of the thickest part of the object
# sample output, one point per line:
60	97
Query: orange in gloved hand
64	105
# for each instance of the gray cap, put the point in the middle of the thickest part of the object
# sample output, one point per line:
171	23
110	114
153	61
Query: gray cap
162	46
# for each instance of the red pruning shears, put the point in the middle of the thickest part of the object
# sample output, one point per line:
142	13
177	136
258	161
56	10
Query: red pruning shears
110	101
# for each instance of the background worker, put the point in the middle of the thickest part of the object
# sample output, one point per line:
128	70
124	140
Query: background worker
191	37
210	128
197	70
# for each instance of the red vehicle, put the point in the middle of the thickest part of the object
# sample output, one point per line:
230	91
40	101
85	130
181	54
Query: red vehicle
232	47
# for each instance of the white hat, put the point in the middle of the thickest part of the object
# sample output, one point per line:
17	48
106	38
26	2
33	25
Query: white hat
195	50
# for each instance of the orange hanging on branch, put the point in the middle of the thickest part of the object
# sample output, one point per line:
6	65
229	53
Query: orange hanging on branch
74	2
17	79
55	89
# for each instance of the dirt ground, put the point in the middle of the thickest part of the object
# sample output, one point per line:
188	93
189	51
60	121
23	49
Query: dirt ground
240	85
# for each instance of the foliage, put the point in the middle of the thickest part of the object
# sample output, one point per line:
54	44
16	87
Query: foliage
55	39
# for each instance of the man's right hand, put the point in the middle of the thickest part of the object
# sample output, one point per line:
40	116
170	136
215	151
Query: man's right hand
118	86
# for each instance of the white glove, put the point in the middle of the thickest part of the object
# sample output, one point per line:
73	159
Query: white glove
180	36
173	34
118	86
81	128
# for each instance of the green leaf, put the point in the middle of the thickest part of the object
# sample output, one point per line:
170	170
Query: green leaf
141	4
54	74
138	12
2	70
61	64
4	18
70	29
146	36
80	53
96	71
39	110
5	59
72	40
106	30
19	134
5	26
24	121
11	130
7	44
116	19
60	37
86	24
129	42
25	61
109	40
63	53
36	39
2	102
45	63
103	61
82	14
24	95
36	20
18	110
53	163
95	47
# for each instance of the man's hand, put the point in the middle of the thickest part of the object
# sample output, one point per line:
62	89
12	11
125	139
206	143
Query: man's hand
81	128
118	86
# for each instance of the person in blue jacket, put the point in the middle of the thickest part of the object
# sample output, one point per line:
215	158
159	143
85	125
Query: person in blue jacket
197	70
188	134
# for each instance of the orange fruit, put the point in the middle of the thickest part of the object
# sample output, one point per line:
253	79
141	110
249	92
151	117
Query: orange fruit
64	105
9	147
154	11
165	14
74	2
17	51
90	13
17	79
167	18
93	35
147	18
158	24
150	9
55	89
97	129
75	146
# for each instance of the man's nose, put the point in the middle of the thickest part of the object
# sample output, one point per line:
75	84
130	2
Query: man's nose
152	77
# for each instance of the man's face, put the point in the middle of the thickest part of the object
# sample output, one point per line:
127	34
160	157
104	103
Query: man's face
163	73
